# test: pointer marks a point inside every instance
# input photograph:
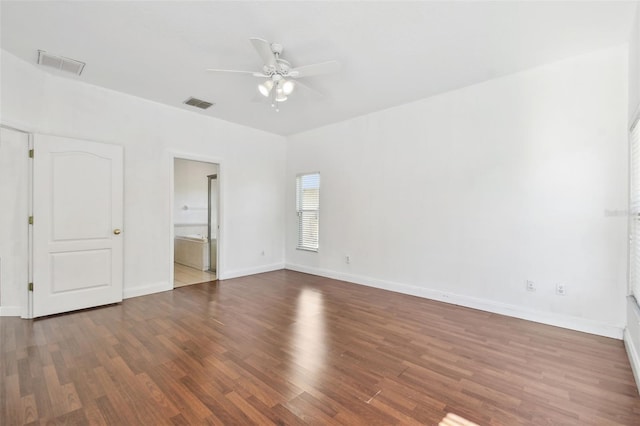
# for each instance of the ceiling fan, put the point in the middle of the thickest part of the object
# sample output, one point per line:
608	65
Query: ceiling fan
279	78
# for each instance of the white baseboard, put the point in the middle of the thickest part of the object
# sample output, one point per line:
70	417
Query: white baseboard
144	290
10	311
226	275
634	358
564	321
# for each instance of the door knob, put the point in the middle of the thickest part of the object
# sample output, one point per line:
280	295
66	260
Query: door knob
116	231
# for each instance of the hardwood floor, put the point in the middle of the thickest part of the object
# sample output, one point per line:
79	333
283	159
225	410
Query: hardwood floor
185	275
290	348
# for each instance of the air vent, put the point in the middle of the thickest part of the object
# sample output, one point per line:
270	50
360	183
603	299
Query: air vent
198	103
60	63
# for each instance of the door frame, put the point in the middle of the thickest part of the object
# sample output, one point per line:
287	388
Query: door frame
211	178
179	155
26	299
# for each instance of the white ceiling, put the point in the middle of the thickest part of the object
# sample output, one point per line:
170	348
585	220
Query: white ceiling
392	52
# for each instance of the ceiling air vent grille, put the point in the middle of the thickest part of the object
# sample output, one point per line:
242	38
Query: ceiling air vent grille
60	62
198	103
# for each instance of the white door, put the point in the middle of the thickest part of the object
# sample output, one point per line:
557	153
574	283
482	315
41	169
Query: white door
77	224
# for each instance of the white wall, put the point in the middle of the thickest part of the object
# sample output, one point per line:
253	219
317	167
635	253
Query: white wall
191	197
252	163
463	196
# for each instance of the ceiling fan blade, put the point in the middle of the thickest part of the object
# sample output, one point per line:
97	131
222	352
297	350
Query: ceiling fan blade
263	47
306	88
315	69
254	73
232	71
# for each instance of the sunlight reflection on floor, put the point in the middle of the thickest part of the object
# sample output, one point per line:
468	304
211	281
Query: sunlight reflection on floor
454	420
310	344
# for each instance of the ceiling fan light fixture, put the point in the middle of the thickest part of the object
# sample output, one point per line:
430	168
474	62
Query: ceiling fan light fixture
288	86
277	76
265	88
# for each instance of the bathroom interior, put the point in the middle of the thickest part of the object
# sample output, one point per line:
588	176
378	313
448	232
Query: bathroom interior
196	204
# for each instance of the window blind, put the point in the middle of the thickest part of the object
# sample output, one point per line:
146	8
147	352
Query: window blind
634	211
308	208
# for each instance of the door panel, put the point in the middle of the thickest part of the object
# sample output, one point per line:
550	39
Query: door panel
65	276
81	206
77	206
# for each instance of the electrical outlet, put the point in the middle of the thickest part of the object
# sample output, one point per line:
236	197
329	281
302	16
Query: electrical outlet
561	289
347	259
531	286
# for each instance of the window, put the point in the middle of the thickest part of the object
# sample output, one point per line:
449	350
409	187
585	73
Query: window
308	208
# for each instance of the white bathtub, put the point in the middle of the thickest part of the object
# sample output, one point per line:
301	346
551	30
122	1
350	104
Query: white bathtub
192	250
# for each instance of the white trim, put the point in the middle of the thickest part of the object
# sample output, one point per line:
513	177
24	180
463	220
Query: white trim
634	358
629	216
549	318
630	196
26	296
195	157
251	271
144	290
635	118
632	337
10	311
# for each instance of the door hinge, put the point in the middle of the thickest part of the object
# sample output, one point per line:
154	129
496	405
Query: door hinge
30	220
31	153
30	287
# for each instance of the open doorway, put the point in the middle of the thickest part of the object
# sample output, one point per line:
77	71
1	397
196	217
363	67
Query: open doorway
196	201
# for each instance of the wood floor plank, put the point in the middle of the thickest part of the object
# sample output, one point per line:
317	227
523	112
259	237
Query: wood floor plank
11	400
254	415
287	348
190	406
310	410
161	401
108	412
219	412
